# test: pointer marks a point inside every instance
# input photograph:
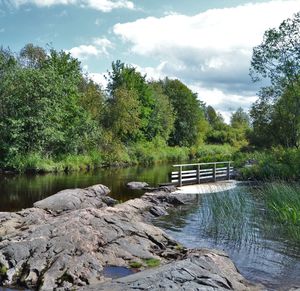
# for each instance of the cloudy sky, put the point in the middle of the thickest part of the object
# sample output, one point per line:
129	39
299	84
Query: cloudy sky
206	44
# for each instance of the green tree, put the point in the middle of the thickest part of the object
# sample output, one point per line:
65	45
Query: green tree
189	112
93	99
32	56
40	110
125	76
161	123
124	115
240	119
277	59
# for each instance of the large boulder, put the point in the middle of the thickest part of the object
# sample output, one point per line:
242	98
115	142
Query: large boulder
71	199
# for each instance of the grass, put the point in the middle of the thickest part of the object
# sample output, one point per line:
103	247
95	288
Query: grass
143	153
151	262
283	202
135	265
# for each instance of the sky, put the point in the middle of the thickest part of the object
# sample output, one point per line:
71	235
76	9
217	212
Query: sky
205	44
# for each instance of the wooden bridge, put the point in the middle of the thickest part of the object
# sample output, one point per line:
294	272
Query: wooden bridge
201	172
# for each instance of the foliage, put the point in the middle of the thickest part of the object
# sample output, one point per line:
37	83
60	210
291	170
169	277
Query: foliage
240	119
54	118
277	59
189	113
274	164
157	151
124	115
213	153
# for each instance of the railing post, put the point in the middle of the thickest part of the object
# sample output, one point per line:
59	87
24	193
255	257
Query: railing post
180	176
214	172
228	171
198	174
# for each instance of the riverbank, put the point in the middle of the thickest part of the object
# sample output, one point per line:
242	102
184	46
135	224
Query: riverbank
140	154
68	239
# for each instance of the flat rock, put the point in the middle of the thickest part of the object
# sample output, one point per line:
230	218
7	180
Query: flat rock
137	185
199	270
72	199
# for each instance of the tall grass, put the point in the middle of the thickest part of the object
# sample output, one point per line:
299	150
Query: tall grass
117	154
283	201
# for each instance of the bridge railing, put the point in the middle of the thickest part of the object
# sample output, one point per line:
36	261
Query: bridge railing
195	173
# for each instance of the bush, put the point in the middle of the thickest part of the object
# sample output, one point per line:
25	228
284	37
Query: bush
213	153
277	163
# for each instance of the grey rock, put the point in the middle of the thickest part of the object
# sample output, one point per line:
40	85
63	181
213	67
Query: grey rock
72	199
66	240
137	185
199	270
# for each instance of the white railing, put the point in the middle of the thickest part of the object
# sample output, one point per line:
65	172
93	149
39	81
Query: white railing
195	173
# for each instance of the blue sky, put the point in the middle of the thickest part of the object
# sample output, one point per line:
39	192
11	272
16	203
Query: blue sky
206	44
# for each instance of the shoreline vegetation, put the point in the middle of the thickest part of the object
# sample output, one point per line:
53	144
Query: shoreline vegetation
54	117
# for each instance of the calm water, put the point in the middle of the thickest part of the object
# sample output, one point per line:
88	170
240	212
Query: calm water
235	221
18	192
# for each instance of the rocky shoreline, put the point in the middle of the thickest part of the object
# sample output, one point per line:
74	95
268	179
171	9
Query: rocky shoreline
67	240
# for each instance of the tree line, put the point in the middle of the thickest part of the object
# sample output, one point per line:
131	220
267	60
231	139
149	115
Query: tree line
49	107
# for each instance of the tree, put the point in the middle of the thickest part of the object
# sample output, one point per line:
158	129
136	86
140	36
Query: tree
277	59
240	119
161	123
189	112
32	56
92	99
125	76
124	115
40	110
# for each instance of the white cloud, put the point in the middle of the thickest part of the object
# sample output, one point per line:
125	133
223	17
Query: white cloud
99	78
218	29
225	103
99	47
102	5
211	50
152	73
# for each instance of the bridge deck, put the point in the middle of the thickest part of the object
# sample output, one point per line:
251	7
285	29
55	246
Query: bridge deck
206	188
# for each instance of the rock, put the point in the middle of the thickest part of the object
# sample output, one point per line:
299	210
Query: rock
199	270
72	199
66	240
137	185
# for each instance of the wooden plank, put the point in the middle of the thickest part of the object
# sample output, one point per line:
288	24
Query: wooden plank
202	170
187	165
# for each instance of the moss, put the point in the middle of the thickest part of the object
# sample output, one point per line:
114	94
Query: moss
179	247
3	270
135	264
151	263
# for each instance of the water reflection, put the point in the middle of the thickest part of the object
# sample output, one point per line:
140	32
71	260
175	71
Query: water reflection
236	222
17	192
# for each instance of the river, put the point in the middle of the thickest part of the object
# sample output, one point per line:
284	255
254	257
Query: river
21	191
234	221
